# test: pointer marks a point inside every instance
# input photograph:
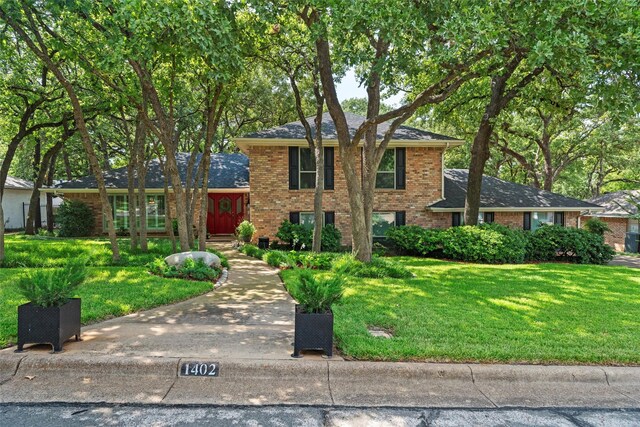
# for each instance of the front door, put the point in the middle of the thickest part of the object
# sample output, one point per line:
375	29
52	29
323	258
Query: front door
225	212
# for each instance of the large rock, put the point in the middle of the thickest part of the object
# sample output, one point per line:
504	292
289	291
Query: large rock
178	259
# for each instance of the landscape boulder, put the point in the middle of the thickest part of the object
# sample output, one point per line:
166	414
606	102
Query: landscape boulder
210	259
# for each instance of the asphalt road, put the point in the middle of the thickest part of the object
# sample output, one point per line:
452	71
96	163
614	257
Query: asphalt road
118	415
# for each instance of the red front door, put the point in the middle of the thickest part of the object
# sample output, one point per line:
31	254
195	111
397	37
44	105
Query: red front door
225	212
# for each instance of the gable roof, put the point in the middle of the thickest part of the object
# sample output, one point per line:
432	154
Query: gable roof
14	183
617	204
295	130
227	171
498	194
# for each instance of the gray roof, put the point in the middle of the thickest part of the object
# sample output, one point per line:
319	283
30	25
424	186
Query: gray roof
618	203
295	130
226	171
497	193
13	183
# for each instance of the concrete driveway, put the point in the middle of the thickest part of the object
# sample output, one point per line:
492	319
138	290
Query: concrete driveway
626	261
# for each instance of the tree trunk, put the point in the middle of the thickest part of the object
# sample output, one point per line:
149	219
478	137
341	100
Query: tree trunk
34	217
480	149
50	175
141	168
43	168
67	165
318	192
131	192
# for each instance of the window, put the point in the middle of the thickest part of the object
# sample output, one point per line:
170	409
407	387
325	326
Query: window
538	219
382	221
155	211
308	218
633	226
485	217
307	168
386	176
457	219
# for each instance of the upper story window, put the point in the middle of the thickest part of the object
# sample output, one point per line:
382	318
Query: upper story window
392	170
307	168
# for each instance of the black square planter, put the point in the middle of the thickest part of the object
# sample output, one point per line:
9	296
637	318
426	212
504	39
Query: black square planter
48	325
313	331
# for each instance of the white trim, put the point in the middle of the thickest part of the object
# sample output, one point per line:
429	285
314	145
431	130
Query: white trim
529	209
245	143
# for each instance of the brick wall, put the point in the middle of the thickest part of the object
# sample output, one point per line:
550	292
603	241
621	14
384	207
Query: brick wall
616	237
509	219
271	199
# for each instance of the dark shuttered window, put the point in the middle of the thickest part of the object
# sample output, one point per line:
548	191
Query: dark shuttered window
526	221
328	168
558	218
294	217
329	218
401	218
294	169
456	219
401	168
489	217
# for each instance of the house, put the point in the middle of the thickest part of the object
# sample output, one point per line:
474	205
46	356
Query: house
228	189
619	208
15	203
412	186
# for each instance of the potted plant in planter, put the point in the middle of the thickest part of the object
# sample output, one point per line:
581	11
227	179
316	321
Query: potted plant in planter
245	231
51	316
314	318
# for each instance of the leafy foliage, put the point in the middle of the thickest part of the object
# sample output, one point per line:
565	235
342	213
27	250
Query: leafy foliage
347	265
331	238
245	231
299	236
278	259
190	269
252	251
596	226
75	219
553	242
486	243
317	296
416	240
53	288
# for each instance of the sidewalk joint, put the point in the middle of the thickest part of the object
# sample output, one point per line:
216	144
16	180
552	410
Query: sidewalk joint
175	379
606	376
329	384
473	380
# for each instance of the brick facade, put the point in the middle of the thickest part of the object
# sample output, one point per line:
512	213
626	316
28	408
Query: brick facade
271	200
509	219
618	233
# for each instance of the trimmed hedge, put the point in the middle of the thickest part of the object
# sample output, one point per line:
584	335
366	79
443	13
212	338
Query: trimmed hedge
494	243
75	219
554	242
300	237
378	268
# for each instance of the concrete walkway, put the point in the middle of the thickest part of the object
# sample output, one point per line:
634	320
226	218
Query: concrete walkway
626	261
250	316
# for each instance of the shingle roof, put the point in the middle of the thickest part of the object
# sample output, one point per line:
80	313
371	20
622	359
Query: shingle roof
226	171
497	193
13	183
618	203
295	130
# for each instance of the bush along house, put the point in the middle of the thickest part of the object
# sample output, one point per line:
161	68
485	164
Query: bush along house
273	180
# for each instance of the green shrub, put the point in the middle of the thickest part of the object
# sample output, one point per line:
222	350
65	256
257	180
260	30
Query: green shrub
75	219
347	265
486	243
245	231
313	260
596	226
554	242
278	259
190	269
415	240
224	262
295	235
53	288
252	251
331	238
317	296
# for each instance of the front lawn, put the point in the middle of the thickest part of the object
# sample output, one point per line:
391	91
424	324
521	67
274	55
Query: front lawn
37	251
533	313
108	292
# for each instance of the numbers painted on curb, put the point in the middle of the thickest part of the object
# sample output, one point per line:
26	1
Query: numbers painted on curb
200	369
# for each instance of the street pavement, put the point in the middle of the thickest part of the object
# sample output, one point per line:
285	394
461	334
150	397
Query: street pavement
91	415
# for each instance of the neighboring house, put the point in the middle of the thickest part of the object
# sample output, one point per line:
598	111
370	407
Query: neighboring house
228	193
619	207
15	203
412	186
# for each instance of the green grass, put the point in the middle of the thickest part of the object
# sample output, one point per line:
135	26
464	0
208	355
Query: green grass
108	292
533	313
